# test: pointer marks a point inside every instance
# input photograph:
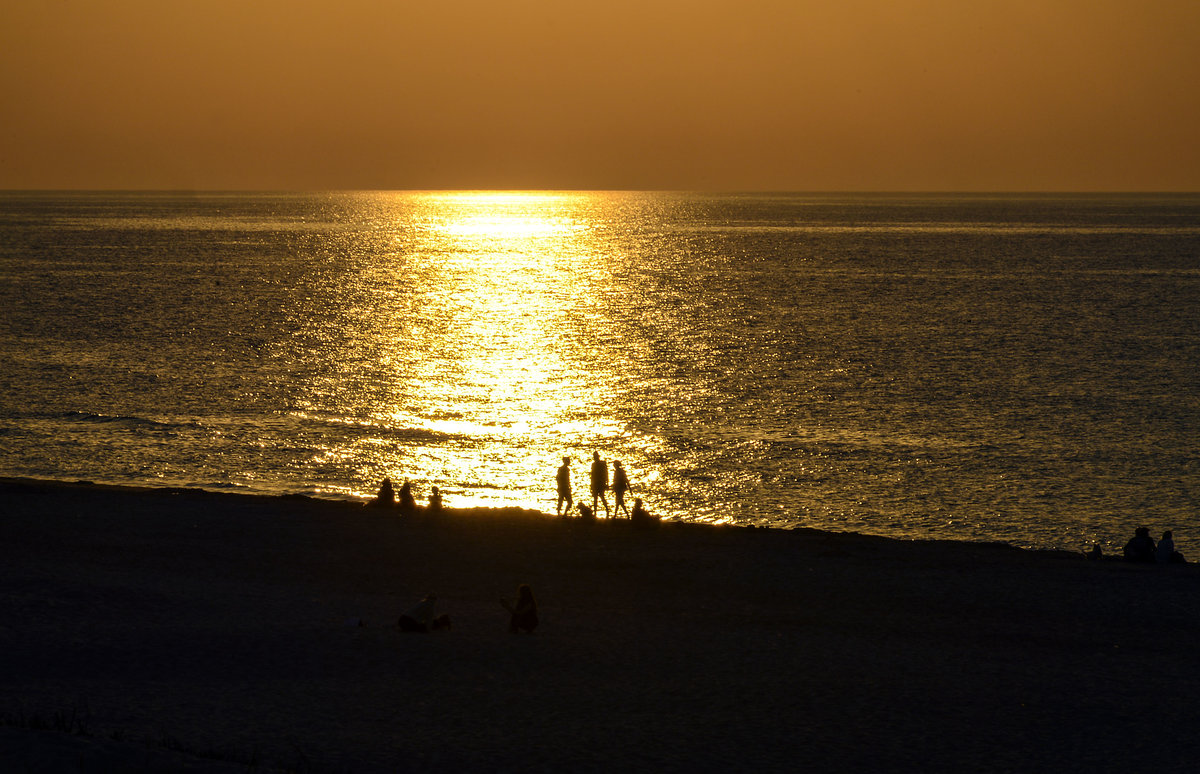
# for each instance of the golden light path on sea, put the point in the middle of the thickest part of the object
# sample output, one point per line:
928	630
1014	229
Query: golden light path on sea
482	306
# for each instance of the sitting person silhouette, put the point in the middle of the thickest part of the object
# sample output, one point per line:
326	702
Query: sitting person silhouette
586	513
640	517
435	502
386	497
420	617
408	503
523	615
1140	547
1166	553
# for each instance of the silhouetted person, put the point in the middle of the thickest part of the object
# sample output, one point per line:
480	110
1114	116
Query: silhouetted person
1096	553
640	517
420	617
1140	547
620	487
386	497
564	488
1166	553
435	502
586	513
523	615
599	482
408	503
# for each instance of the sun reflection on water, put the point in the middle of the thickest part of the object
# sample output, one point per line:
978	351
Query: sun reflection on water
494	373
917	366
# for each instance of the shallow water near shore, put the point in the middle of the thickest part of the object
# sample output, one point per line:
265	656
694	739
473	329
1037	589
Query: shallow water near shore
1013	368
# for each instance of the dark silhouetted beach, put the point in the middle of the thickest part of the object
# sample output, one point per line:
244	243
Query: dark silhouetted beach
187	631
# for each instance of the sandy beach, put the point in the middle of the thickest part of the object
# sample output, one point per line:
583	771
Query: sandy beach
177	630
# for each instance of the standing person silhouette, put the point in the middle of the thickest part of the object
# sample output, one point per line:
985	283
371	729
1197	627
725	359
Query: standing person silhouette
564	488
599	483
620	487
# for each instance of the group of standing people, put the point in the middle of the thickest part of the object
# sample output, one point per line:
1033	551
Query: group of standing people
406	503
598	479
599	485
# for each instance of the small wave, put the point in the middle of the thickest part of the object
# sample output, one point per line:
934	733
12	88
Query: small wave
470	485
132	421
388	432
221	486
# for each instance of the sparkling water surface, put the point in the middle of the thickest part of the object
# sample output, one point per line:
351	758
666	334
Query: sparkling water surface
1014	368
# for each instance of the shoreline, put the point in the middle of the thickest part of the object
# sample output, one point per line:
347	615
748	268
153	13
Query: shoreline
82	486
227	625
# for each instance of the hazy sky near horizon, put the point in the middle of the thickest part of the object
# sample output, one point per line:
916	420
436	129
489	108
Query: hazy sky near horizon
624	94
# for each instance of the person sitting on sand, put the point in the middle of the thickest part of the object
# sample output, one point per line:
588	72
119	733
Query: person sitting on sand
599	482
586	513
523	615
1140	547
420	617
386	497
640	516
1166	553
435	502
408	503
620	487
564	488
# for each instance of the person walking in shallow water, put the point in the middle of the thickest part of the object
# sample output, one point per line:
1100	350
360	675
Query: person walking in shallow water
599	483
564	488
620	487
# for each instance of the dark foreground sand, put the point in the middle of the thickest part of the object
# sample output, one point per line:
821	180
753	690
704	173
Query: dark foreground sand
186	631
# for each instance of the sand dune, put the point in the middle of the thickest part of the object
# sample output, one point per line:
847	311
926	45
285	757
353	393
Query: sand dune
186	631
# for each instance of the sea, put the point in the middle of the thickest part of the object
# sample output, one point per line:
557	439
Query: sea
1022	369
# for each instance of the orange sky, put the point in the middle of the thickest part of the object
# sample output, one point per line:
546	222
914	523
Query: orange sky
622	94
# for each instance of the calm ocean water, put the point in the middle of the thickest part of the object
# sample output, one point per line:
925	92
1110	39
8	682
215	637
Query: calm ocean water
1014	368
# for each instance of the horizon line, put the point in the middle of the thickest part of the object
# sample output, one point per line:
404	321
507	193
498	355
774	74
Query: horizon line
717	191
